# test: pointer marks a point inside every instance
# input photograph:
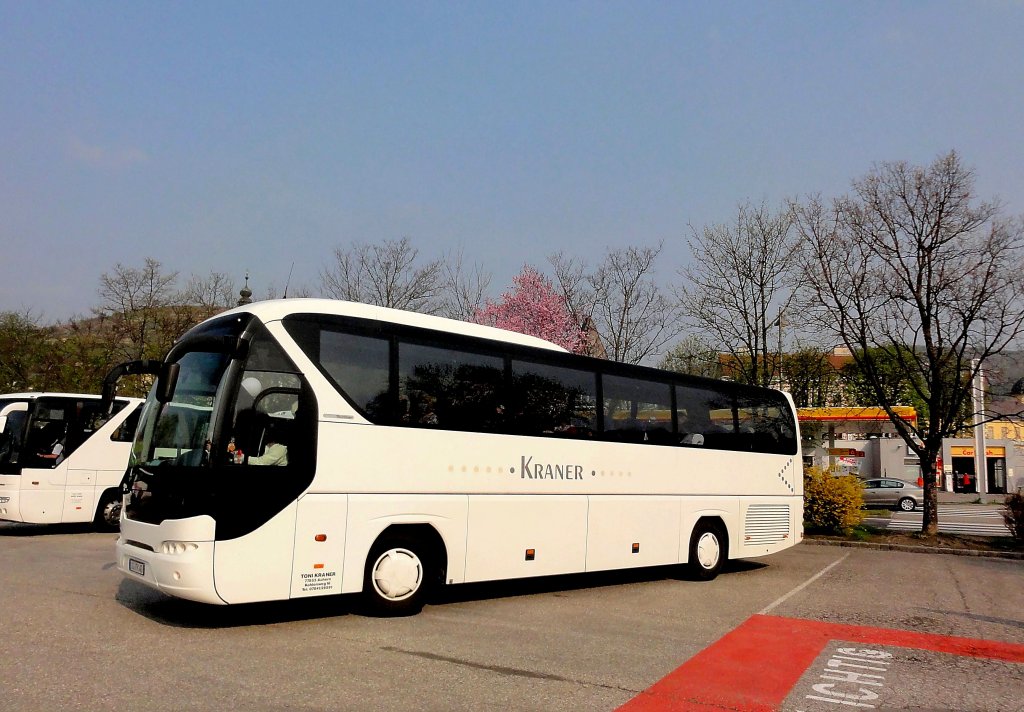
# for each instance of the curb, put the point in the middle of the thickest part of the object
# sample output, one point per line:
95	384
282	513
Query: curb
1015	555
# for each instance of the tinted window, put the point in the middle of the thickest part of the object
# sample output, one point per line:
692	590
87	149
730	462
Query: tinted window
553	401
637	410
449	389
705	418
265	408
12	435
177	431
359	366
62	425
125	432
765	424
398	375
264	454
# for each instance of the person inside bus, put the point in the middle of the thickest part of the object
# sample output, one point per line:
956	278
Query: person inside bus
55	434
275	453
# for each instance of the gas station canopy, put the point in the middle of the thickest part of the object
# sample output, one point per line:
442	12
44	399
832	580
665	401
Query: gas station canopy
856	420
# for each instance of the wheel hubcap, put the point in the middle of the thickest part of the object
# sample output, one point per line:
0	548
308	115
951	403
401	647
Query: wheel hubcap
112	513
708	550
397	574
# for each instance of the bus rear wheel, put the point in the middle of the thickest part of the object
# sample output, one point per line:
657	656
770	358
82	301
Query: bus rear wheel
709	549
395	582
108	511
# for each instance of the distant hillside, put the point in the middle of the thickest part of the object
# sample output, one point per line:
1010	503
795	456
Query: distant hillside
1003	371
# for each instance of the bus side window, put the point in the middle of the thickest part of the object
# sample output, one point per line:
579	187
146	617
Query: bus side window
637	410
764	424
125	432
704	418
552	401
10	452
451	389
358	366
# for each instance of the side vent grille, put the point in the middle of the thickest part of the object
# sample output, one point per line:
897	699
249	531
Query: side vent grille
766	524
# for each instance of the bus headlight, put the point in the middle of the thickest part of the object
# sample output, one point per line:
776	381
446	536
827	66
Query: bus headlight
178	547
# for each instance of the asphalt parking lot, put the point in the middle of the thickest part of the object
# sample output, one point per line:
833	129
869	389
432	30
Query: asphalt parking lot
810	629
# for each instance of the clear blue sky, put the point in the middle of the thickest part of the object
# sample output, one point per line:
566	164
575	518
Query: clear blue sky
237	136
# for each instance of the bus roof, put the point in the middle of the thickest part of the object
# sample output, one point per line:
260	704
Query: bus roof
276	309
46	394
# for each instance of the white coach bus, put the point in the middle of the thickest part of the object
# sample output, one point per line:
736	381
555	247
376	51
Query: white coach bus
344	448
63	457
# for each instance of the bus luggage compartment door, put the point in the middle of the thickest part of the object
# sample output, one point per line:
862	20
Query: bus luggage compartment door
516	536
80	496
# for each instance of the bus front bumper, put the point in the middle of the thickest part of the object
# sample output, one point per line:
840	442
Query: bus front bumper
175	557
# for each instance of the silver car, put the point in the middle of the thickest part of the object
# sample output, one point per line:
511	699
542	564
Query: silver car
892	493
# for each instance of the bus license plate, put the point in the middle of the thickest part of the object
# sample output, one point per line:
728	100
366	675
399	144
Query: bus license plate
137	567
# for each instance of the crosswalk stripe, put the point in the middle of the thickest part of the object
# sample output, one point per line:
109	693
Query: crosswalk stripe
953	528
997	514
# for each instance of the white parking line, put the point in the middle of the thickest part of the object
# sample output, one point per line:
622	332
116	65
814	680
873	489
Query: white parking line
805	584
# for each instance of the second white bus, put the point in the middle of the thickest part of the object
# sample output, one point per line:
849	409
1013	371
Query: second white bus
63	457
344	448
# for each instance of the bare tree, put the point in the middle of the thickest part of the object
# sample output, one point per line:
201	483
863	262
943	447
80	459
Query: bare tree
739	286
388	274
137	299
215	291
571	279
912	273
620	300
811	378
293	291
695	356
463	289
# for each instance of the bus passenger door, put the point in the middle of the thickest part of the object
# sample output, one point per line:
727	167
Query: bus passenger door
319	545
42	494
258	565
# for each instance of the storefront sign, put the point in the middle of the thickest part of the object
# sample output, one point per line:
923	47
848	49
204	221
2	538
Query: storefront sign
968	451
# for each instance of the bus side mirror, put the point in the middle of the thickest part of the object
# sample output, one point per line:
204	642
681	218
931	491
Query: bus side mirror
128	368
166	381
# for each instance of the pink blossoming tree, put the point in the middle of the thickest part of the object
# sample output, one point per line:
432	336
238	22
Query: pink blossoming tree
533	307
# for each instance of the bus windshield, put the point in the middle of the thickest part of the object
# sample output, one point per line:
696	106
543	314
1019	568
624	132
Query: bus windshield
178	432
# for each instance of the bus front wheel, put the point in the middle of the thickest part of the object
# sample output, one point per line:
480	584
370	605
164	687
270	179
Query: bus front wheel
397	572
108	511
709	549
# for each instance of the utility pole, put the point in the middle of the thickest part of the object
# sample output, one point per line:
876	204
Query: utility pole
781	387
978	402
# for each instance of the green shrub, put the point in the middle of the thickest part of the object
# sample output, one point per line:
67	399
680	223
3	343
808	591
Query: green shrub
832	504
1014	515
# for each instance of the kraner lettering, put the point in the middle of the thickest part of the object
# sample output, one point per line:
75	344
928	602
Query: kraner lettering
530	470
526	467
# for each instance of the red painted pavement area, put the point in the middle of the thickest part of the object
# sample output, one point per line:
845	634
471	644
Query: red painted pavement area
754	667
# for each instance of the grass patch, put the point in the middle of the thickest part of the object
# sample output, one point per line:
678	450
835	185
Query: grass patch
861	533
872	535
